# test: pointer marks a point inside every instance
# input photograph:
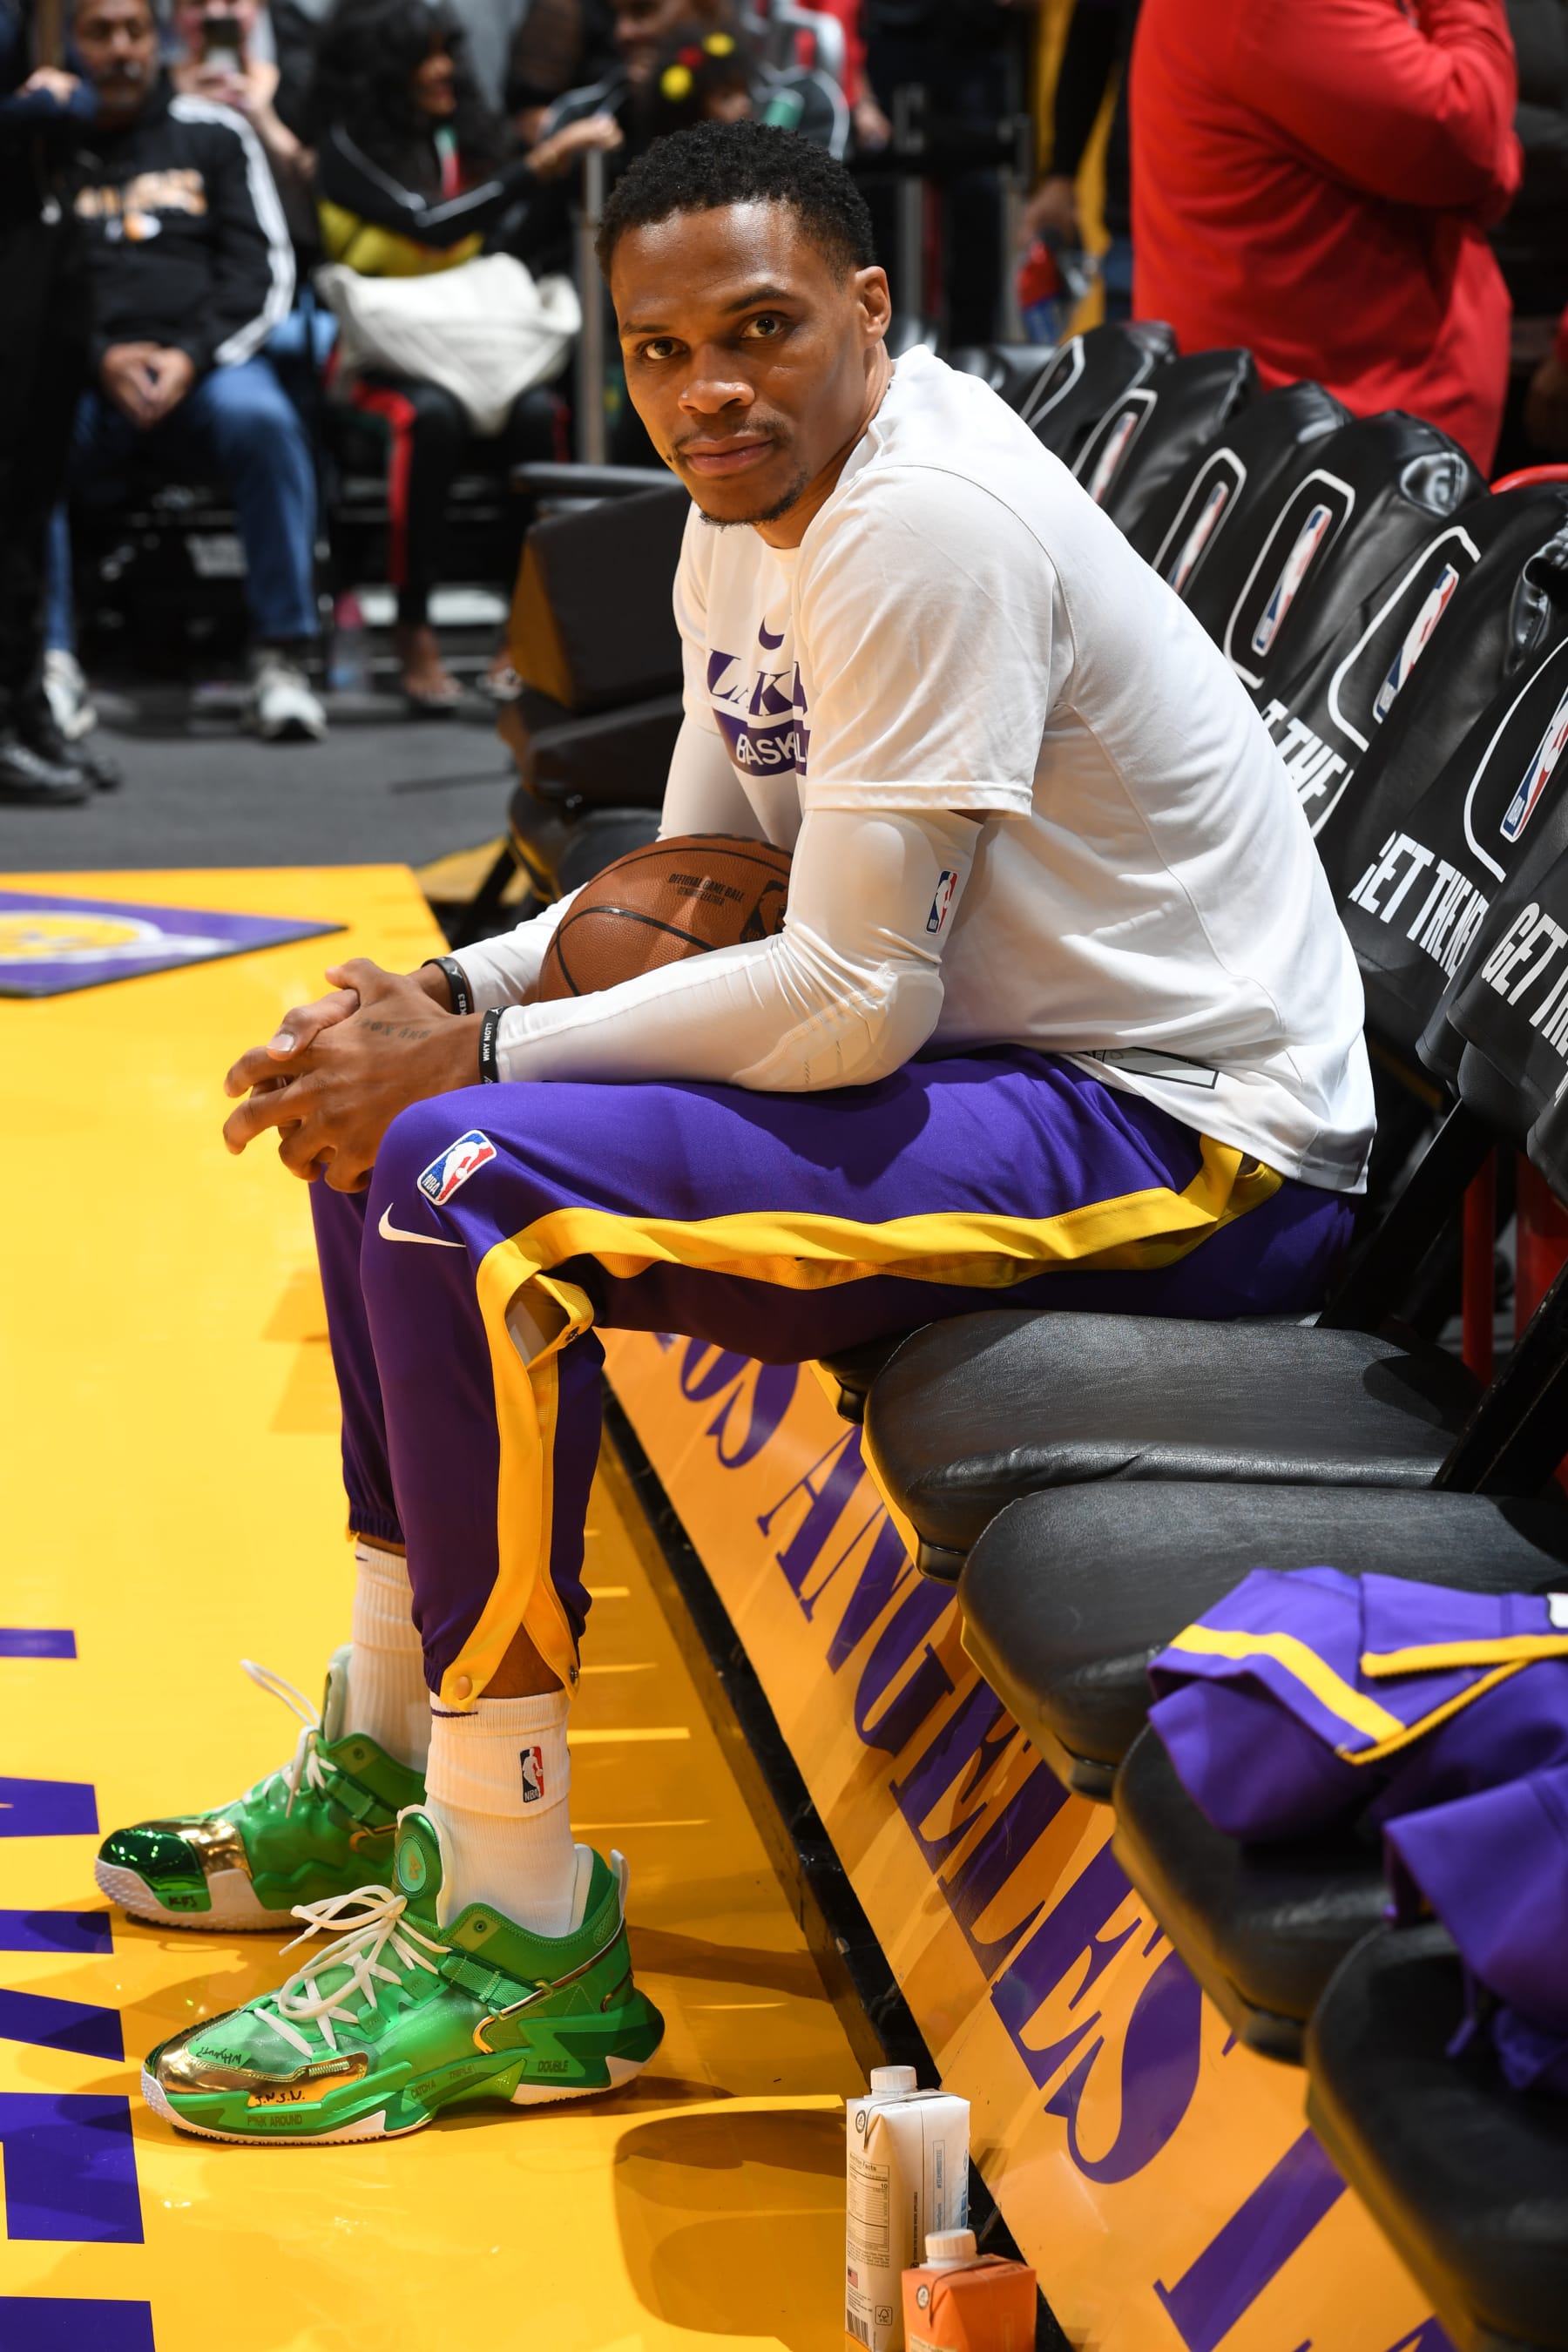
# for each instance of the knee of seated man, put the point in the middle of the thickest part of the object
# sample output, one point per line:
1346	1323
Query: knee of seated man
416	1140
250	407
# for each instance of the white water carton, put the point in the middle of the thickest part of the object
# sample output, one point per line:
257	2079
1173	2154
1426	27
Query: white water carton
906	2173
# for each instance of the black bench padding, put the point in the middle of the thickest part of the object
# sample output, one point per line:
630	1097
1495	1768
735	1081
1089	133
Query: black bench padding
1067	1595
1262	1927
1468	2180
972	1413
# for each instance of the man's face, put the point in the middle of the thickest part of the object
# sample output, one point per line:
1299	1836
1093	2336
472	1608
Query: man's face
119	46
747	353
643	26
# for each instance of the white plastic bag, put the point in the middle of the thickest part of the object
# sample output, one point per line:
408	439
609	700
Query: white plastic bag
483	330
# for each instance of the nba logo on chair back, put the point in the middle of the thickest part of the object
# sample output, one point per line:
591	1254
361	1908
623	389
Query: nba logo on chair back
1521	808
1288	586
532	1762
455	1166
1434	605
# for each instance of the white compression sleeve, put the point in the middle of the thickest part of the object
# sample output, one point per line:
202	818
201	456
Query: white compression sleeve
844	994
505	971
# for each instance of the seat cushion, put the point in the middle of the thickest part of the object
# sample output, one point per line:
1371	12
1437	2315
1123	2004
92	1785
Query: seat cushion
1067	1595
854	1368
970	1414
1467	2179
1262	1927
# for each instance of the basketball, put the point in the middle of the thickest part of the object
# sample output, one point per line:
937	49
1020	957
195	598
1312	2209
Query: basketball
660	905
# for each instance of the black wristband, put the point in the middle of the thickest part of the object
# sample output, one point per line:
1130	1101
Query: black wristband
457	979
489	1068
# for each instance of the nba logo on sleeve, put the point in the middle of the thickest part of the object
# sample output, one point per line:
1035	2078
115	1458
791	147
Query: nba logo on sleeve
946	888
1287	587
532	1762
1521	808
455	1166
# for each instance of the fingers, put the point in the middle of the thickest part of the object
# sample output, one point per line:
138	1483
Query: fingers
303	1024
279	1106
249	1072
366	978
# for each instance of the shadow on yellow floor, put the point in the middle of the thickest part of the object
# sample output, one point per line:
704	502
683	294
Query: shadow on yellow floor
169	1492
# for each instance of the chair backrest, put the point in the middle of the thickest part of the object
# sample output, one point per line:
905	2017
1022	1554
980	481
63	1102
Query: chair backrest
1418	660
1089	375
1266	445
1510	1014
1153	432
1012	369
1295	565
591	625
1416	907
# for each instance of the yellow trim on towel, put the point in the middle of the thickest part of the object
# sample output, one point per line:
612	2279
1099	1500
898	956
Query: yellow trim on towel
1288	1650
1418	1657
795	1251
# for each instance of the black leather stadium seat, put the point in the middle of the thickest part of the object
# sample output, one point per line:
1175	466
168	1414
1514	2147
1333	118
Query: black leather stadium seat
1265	446
591	625
1421	655
1069	1592
1293	568
1089	375
1262	1927
1467	2179
1420	884
1012	369
970	1414
1153	432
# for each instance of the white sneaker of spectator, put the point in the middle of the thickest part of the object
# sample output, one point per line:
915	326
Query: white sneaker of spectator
281	706
66	691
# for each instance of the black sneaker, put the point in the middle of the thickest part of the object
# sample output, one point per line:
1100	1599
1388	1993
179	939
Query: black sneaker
40	731
32	780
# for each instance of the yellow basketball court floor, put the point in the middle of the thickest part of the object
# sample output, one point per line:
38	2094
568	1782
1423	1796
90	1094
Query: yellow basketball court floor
170	1501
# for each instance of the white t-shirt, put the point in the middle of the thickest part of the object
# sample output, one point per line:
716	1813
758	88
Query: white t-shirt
961	629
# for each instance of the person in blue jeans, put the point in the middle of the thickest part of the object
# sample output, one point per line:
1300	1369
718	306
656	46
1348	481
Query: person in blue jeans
191	270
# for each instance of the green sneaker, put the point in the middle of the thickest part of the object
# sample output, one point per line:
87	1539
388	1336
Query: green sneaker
404	2016
321	1827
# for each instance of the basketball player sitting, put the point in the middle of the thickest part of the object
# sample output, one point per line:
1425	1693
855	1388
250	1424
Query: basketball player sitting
1061	1015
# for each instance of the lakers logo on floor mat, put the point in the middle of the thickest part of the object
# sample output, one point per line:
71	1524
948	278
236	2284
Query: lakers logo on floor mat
49	945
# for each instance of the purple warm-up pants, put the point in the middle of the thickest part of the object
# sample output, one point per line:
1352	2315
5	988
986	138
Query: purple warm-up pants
503	1222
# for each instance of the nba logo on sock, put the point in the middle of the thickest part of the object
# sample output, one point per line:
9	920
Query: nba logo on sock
455	1166
532	1762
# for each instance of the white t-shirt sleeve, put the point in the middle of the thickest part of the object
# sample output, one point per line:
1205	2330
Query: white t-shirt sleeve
505	971
926	621
691	620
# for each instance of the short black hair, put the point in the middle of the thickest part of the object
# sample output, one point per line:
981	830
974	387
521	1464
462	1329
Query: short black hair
717	163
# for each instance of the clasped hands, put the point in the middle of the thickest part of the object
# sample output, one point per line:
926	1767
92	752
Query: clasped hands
336	1074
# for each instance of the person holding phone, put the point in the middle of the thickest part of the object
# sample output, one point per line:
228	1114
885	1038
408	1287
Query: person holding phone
224	43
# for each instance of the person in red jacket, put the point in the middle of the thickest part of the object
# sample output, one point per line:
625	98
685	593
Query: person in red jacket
1314	179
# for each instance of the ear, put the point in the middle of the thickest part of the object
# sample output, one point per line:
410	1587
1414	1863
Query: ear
874	301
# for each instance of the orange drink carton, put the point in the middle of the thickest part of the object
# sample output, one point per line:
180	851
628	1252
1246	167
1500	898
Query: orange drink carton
961	2301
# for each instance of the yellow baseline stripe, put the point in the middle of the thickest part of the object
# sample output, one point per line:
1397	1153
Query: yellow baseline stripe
1288	1650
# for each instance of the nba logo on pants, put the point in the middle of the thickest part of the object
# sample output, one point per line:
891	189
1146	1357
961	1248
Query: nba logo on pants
532	1762
455	1166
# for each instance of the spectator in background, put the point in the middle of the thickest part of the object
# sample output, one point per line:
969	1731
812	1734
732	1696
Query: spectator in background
414	174
43	111
963	54
190	269
561	45
1315	179
790	98
1095	61
230	71
1531	242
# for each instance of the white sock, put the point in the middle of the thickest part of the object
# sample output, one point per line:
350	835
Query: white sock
388	1699
497	1783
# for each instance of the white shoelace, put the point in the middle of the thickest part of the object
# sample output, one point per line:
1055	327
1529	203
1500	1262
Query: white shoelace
305	1766
380	1923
